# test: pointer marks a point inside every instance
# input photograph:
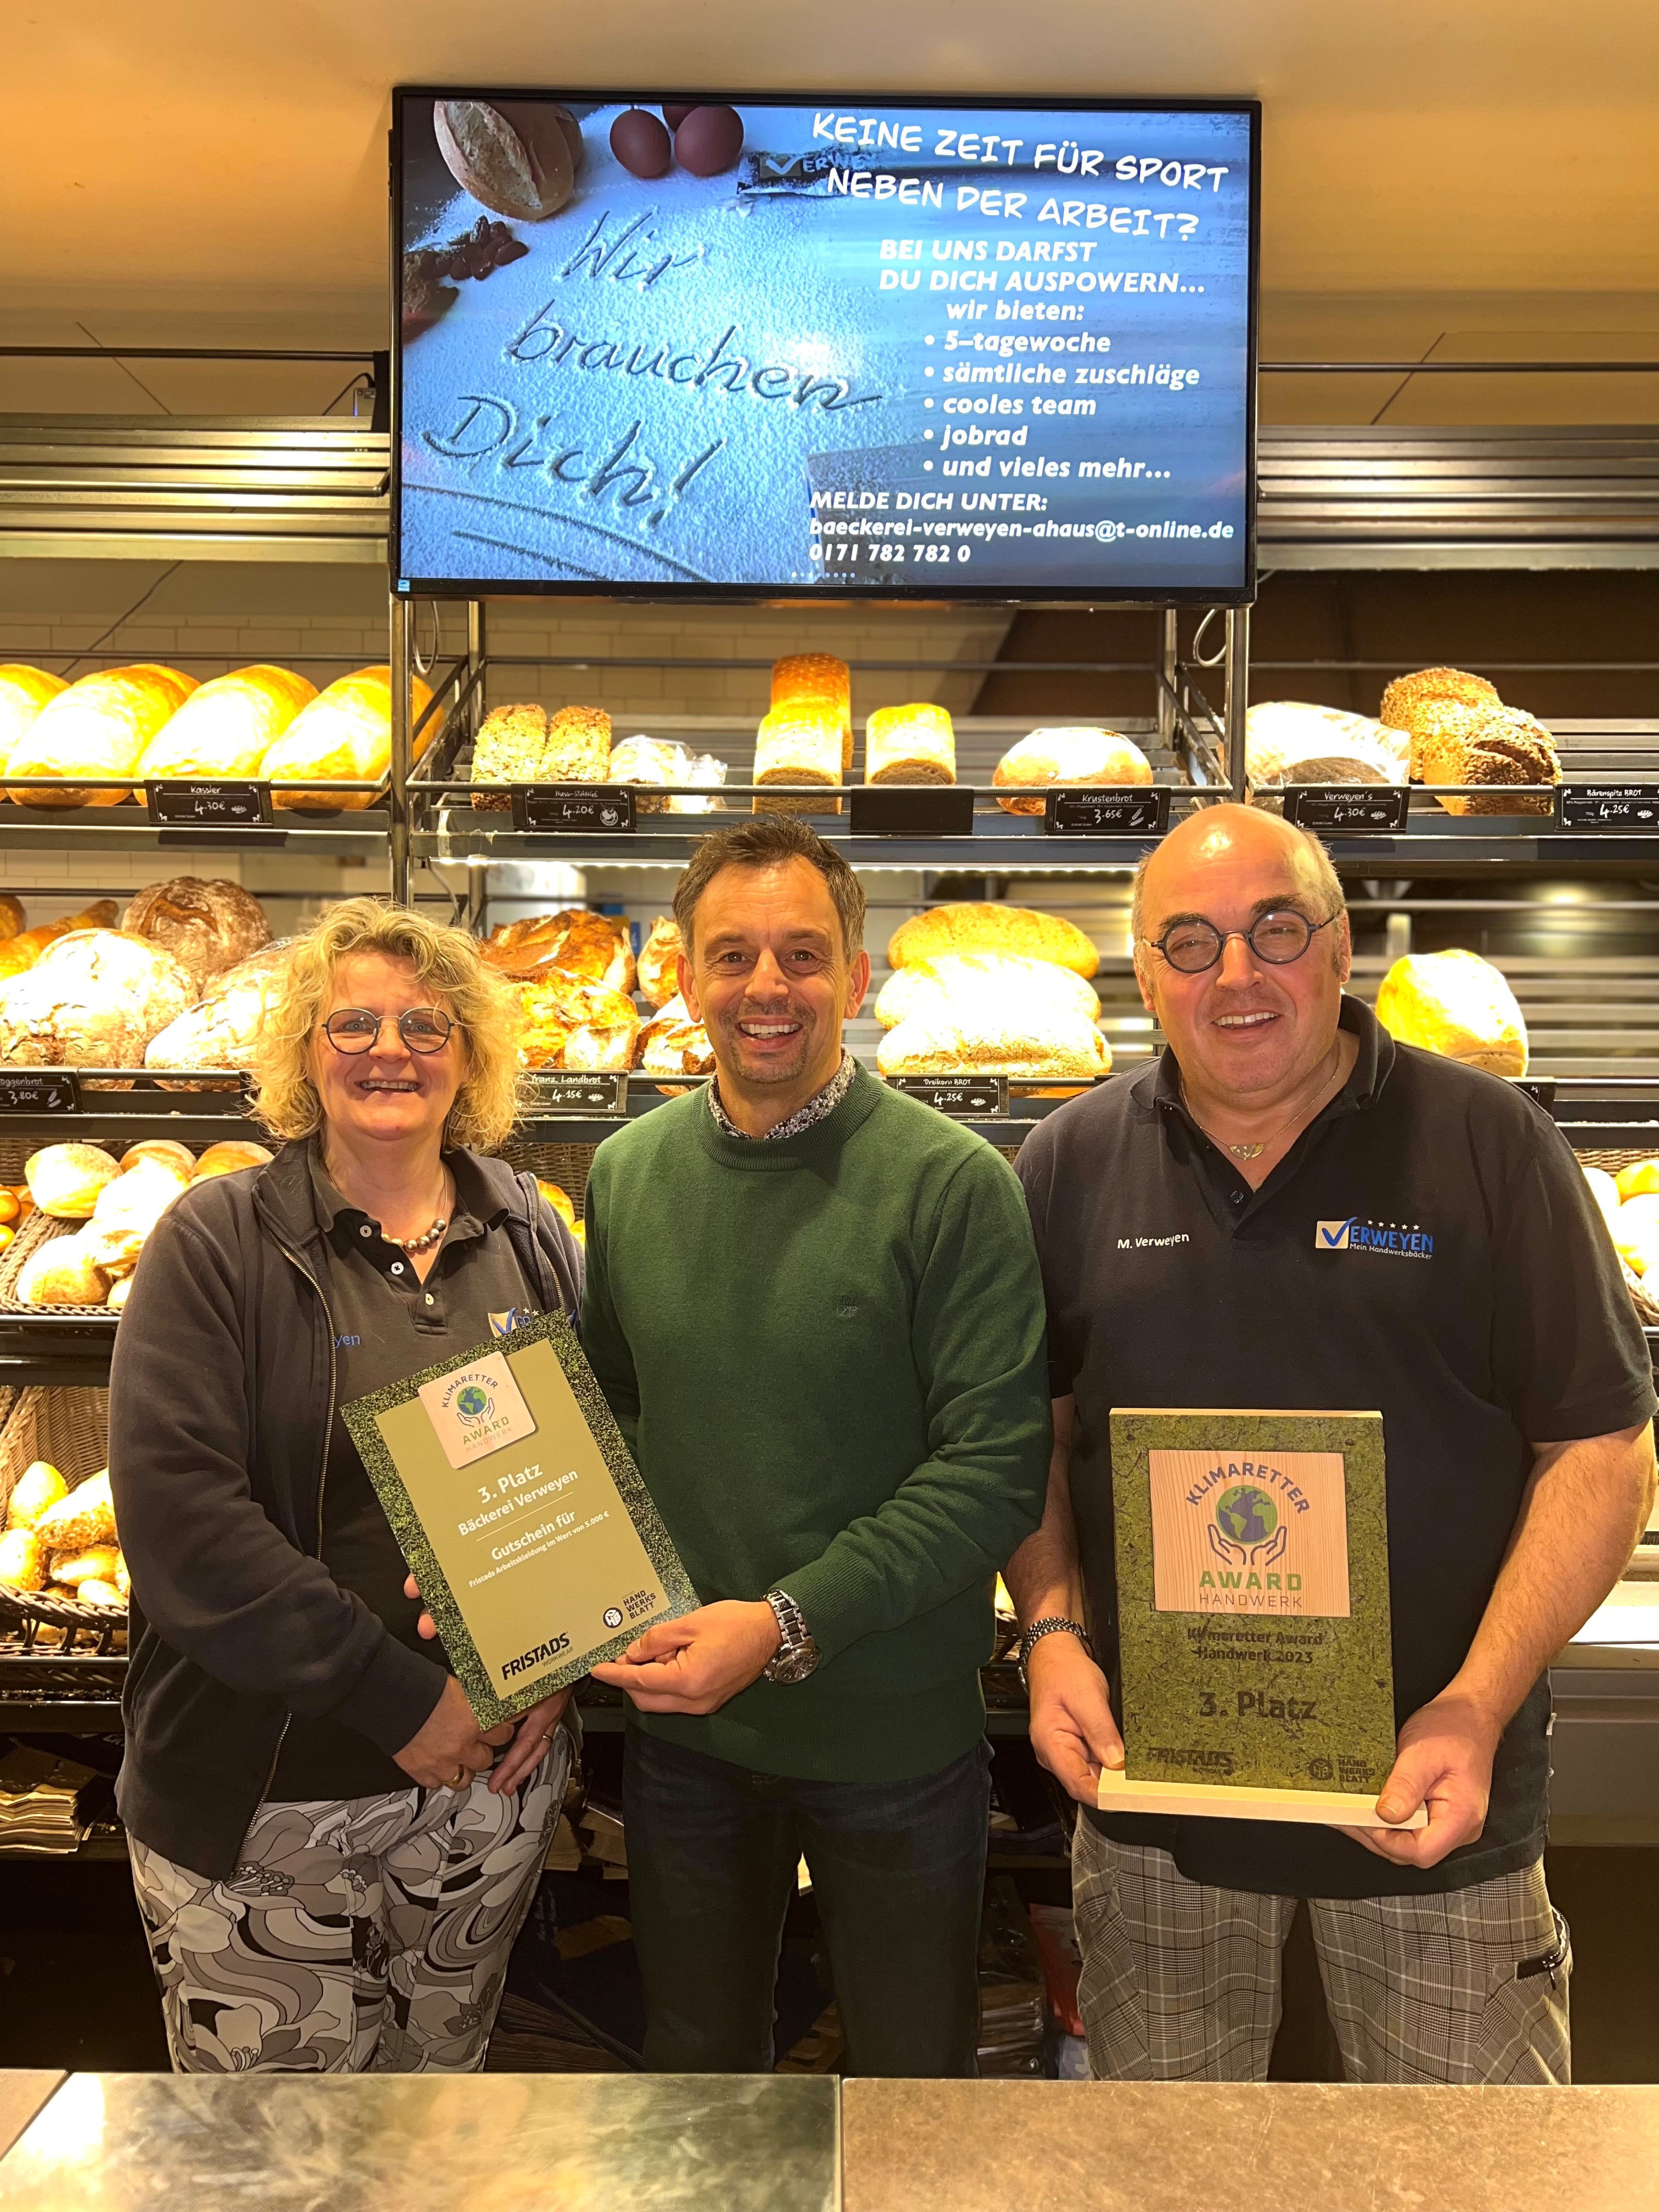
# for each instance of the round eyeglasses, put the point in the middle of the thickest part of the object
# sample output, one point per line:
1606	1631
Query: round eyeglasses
1278	937
422	1028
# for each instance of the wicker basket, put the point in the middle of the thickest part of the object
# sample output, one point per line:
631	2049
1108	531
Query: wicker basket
39	1228
70	1429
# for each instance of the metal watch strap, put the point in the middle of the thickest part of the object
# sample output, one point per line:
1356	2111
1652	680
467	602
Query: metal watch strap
797	1655
1052	1624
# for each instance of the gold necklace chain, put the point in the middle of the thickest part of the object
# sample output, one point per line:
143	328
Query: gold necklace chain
1254	1151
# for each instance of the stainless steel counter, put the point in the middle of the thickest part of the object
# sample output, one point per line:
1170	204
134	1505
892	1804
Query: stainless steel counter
511	2143
23	2093
1099	2146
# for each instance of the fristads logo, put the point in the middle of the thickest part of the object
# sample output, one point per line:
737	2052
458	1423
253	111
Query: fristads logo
1399	1240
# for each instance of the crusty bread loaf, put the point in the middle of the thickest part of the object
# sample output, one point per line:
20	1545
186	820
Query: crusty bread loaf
1066	756
1458	1005
822	686
798	744
95	1563
23	692
227	726
508	749
1289	741
1032	1048
230	1158
208	927
167	1149
953	984
94	998
659	960
578	943
128	1209
23	949
578	746
62	1273
572	1023
67	1180
87	1515
345	734
221	1029
910	744
39	1485
1454	744
99	726
671	1043
1405	699
23	1559
989	926
96	1591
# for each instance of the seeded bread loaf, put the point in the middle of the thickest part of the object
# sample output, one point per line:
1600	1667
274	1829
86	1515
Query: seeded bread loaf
1406	697
1491	745
509	749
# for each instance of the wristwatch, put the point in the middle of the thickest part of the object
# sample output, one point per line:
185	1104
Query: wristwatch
1050	1624
797	1655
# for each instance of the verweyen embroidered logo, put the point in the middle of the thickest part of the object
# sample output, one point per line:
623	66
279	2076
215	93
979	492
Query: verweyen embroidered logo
1396	1240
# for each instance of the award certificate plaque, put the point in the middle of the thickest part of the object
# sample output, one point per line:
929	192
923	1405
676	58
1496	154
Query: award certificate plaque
536	1548
1254	1663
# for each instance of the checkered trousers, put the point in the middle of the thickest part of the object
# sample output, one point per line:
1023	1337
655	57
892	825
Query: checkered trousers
1181	1981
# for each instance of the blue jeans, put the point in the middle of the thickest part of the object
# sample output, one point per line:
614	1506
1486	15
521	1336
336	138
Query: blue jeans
898	1872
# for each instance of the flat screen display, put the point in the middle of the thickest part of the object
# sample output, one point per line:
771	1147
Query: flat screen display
751	347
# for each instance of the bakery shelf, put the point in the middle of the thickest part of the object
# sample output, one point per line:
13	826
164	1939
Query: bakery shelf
62	1693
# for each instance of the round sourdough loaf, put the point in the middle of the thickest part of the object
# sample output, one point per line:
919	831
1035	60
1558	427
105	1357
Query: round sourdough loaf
208	927
976	926
221	1030
99	726
94	998
1458	1005
226	726
1080	756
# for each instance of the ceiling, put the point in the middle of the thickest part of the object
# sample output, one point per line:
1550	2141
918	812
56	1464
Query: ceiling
182	158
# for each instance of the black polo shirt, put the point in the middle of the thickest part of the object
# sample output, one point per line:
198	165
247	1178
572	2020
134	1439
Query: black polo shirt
1475	1299
388	1324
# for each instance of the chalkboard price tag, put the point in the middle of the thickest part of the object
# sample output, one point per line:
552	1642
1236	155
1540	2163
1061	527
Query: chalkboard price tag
1630	807
1102	810
911	810
968	1098
569	1090
188	804
597	809
40	1090
1336	813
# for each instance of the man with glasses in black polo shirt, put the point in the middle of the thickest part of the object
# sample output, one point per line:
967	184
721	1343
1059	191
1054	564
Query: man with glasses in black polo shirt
1185	1223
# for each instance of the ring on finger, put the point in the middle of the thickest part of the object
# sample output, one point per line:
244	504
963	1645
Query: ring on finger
460	1778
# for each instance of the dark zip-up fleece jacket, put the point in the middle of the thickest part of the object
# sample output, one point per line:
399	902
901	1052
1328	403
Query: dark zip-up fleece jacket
221	1405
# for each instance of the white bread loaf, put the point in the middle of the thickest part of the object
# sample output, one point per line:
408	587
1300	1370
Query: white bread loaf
208	927
230	1158
1289	741
798	744
1068	756
226	727
910	744
659	960
94	998
126	1211
66	1181
23	692
578	746
23	1559
345	733
990	926
820	685
1458	1005
223	1029
953	985
62	1273
1030	1045
159	1148
99	726
38	1486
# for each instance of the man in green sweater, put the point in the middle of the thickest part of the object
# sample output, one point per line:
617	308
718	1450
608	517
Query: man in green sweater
814	1307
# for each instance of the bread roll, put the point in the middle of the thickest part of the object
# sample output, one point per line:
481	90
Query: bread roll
99	726
953	984
226	727
1407	695
559	1199
119	1291
820	685
94	998
509	749
67	1180
221	1030
910	744
167	1149
38	1486
86	1516
991	928
345	733
1080	756
22	1560
798	744
23	692
1454	744
95	1591
671	1043
578	746
1031	1047
1458	1005
62	1273
1640	1176
95	1563
23	949
659	960
571	1022
208	927
230	1158
596	947
128	1209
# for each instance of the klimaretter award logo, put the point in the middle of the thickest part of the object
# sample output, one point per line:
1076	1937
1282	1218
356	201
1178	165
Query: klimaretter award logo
1264	1536
476	1410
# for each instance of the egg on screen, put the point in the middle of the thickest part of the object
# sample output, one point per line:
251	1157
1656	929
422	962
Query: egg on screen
708	141
640	142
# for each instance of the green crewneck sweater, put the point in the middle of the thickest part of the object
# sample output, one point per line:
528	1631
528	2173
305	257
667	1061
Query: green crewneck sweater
826	1352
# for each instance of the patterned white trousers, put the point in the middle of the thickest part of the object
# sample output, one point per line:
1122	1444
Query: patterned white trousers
355	1935
1181	1981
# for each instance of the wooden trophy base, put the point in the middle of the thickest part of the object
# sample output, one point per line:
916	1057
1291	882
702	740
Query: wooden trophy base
1331	1809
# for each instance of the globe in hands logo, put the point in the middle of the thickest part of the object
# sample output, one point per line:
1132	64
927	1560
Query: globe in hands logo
474	1405
1246	1515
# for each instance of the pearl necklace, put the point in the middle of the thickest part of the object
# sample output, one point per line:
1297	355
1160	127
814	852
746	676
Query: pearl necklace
427	1239
1254	1151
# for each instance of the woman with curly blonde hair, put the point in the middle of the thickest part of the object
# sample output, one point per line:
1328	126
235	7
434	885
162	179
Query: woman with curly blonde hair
331	1856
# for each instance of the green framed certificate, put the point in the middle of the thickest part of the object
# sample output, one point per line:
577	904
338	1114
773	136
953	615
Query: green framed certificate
1255	1653
521	1514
